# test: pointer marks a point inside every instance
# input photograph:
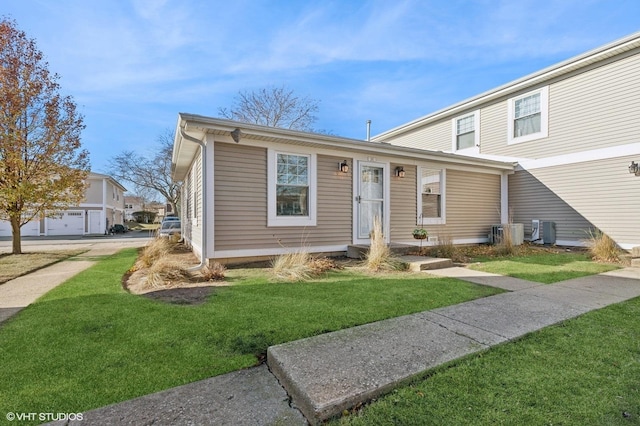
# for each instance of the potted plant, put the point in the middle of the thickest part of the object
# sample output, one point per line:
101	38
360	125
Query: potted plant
419	233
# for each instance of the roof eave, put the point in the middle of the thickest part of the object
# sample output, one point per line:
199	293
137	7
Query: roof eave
226	127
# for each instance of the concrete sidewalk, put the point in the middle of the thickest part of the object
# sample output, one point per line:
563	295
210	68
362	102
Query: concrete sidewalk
20	292
329	373
326	374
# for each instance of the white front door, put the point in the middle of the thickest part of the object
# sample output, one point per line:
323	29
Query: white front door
95	222
370	199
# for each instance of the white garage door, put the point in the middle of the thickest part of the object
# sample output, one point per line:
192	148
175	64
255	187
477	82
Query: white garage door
5	228
66	223
31	229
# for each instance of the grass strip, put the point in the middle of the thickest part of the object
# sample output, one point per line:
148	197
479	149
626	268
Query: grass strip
16	265
543	267
582	372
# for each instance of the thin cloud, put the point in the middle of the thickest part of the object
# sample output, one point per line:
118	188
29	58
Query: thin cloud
133	64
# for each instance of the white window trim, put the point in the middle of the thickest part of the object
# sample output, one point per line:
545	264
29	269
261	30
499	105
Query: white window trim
272	170
443	201
544	117
476	128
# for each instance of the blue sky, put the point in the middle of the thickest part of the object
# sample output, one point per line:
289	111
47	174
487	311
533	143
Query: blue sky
132	65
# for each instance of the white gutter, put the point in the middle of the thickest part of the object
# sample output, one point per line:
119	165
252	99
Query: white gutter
203	258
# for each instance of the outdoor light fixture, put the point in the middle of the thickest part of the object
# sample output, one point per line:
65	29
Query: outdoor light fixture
634	168
236	135
344	167
400	171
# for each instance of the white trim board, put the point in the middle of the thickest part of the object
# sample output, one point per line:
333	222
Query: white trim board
580	157
275	251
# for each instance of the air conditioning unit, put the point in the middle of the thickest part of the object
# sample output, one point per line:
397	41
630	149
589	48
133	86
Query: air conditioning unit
535	229
496	234
548	232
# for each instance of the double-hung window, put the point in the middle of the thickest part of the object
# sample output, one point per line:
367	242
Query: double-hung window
431	196
291	192
529	116
466	132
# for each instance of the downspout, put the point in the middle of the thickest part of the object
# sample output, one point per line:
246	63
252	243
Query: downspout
202	145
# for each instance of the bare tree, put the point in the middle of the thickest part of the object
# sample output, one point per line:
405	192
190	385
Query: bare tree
42	164
149	174
275	107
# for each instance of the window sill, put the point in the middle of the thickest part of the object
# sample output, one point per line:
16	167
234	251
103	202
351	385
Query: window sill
527	138
432	221
291	221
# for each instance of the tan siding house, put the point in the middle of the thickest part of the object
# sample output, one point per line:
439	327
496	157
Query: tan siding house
251	192
102	207
572	131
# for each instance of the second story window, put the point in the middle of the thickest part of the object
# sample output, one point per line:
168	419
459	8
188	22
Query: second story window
466	132
528	116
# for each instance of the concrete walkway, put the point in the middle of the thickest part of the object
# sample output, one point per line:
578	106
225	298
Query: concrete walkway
329	373
323	375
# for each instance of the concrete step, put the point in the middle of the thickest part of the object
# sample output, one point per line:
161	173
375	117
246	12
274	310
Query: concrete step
423	263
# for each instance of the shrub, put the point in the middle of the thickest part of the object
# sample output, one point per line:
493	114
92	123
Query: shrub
602	247
214	272
444	248
379	256
156	249
166	272
292	266
505	246
321	265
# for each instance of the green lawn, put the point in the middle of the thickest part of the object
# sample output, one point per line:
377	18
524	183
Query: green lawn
88	343
543	267
585	371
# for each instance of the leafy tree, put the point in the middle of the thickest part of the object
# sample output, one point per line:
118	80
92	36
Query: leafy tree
274	107
42	163
151	173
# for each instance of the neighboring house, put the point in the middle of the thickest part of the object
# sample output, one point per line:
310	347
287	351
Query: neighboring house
573	129
163	209
102	207
266	191
132	204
